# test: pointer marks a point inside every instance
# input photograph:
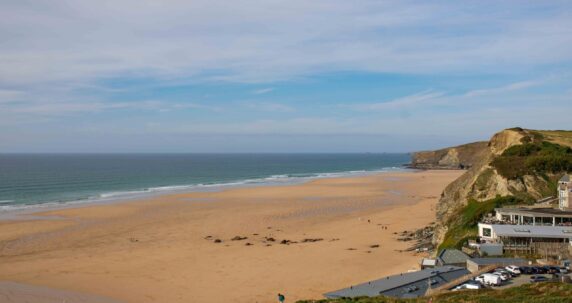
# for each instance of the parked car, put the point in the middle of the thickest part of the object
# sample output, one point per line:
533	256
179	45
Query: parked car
503	276
468	286
505	272
553	270
565	264
563	270
534	270
474	282
489	279
539	270
513	269
534	279
526	270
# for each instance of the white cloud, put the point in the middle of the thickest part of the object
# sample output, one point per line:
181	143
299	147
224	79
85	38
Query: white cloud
420	99
262	91
429	98
503	89
64	108
61	58
268	106
10	95
253	41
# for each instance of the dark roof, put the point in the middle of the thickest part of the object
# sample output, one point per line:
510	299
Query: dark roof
413	284
498	261
452	256
536	211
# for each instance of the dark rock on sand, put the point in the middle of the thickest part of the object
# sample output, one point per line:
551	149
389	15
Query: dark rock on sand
287	242
238	238
312	240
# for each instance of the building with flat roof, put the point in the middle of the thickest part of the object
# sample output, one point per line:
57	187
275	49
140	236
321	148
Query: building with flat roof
406	285
565	192
547	231
428	263
532	216
548	240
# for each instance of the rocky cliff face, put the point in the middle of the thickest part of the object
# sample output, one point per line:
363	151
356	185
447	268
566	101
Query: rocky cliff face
463	156
481	181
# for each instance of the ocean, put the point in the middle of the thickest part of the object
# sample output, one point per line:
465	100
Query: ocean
35	180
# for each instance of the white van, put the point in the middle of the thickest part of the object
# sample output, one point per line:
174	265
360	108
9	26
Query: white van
489	279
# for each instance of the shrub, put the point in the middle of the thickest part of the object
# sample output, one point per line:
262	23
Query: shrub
533	158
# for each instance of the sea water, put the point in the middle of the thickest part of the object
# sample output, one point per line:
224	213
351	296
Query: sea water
33	180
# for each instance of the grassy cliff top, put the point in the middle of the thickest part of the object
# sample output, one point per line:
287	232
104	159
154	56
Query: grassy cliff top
562	137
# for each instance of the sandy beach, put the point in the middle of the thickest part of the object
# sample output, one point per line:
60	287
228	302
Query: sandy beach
300	240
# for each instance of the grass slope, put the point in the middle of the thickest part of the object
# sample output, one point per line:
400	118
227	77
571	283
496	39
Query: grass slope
531	293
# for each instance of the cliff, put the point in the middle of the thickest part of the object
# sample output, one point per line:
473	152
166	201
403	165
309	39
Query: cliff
498	168
463	156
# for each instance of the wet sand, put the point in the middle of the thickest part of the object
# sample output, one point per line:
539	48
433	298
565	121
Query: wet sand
300	240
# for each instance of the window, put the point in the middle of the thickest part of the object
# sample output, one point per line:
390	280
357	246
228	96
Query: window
486	232
522	230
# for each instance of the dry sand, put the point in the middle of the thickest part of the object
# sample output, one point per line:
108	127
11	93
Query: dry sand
163	249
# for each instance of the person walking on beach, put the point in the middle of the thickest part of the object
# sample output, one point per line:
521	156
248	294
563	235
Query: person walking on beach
281	298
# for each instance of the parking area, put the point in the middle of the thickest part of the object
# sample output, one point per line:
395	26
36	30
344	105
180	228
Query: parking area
518	281
501	278
524	279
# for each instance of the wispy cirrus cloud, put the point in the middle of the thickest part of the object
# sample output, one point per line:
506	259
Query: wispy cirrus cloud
263	91
10	95
430	98
66	108
420	99
268	106
503	89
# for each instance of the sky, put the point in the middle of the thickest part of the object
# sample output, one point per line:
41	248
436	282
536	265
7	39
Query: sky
279	76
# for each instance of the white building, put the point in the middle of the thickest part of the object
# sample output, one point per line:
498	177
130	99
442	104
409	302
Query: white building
532	216
500	232
565	192
546	231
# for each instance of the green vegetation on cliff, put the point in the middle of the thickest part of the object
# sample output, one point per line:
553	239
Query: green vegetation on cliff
532	158
463	223
530	293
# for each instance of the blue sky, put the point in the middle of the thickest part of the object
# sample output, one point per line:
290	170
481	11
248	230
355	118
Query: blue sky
279	76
